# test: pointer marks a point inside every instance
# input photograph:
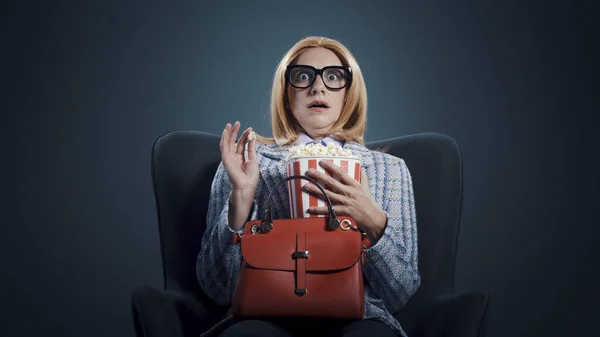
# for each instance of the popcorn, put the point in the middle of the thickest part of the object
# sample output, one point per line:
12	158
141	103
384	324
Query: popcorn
251	135
303	157
318	150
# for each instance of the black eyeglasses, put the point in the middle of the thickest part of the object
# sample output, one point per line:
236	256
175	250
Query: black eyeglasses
334	77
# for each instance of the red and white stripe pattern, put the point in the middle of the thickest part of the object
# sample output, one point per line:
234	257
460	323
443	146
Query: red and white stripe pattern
301	200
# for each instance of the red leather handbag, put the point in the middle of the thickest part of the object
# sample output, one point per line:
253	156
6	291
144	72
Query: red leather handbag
301	267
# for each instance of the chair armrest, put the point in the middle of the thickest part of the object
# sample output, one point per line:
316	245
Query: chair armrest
457	315
159	313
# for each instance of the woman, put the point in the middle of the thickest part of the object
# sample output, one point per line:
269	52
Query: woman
326	106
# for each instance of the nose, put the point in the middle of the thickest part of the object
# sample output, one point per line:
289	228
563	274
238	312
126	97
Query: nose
318	86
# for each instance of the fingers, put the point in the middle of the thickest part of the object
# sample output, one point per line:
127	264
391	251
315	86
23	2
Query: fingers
338	209
326	181
252	148
224	136
233	135
337	171
251	144
229	137
334	197
241	145
342	185
364	179
226	142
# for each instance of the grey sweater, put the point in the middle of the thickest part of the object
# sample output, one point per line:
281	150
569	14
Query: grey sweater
391	267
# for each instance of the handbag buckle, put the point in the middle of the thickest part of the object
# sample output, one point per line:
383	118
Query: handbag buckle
347	225
301	254
255	229
301	292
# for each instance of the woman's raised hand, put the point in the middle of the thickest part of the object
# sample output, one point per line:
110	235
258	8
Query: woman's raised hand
241	170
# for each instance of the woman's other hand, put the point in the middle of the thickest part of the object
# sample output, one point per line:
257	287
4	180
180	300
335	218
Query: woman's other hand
242	171
349	197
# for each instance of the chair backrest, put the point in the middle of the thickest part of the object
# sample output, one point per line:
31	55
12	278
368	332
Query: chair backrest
184	164
435	164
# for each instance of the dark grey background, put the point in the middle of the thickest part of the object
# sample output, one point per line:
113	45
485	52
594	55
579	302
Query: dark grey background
88	87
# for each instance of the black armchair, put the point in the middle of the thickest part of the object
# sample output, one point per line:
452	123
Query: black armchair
183	166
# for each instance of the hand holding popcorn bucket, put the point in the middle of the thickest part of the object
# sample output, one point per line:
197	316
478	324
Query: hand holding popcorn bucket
301	200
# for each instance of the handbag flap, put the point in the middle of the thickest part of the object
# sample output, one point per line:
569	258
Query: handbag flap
327	249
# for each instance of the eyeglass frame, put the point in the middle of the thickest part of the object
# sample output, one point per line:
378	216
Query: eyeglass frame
318	72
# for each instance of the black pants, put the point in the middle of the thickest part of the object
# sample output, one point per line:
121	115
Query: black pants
304	327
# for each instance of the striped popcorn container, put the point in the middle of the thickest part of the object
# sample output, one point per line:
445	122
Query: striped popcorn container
301	200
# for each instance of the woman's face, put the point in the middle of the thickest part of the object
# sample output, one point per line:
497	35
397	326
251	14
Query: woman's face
329	102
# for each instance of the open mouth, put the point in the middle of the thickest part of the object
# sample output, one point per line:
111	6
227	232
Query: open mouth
318	105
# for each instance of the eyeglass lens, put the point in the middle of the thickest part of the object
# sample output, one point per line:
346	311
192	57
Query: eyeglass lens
303	77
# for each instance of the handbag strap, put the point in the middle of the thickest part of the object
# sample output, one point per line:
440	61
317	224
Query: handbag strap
267	224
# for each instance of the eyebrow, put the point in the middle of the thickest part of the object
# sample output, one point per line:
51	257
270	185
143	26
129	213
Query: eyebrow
308	65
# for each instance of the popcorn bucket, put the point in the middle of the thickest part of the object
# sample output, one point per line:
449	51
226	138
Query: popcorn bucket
301	200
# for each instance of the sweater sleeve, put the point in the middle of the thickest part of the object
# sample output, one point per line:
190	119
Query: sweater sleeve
219	259
391	267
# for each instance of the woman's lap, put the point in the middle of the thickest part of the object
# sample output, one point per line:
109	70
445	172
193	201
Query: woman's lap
366	327
305	327
251	328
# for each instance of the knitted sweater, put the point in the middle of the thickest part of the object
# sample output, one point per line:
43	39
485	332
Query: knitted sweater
391	272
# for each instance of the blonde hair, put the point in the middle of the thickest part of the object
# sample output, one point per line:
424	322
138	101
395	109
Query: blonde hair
353	119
